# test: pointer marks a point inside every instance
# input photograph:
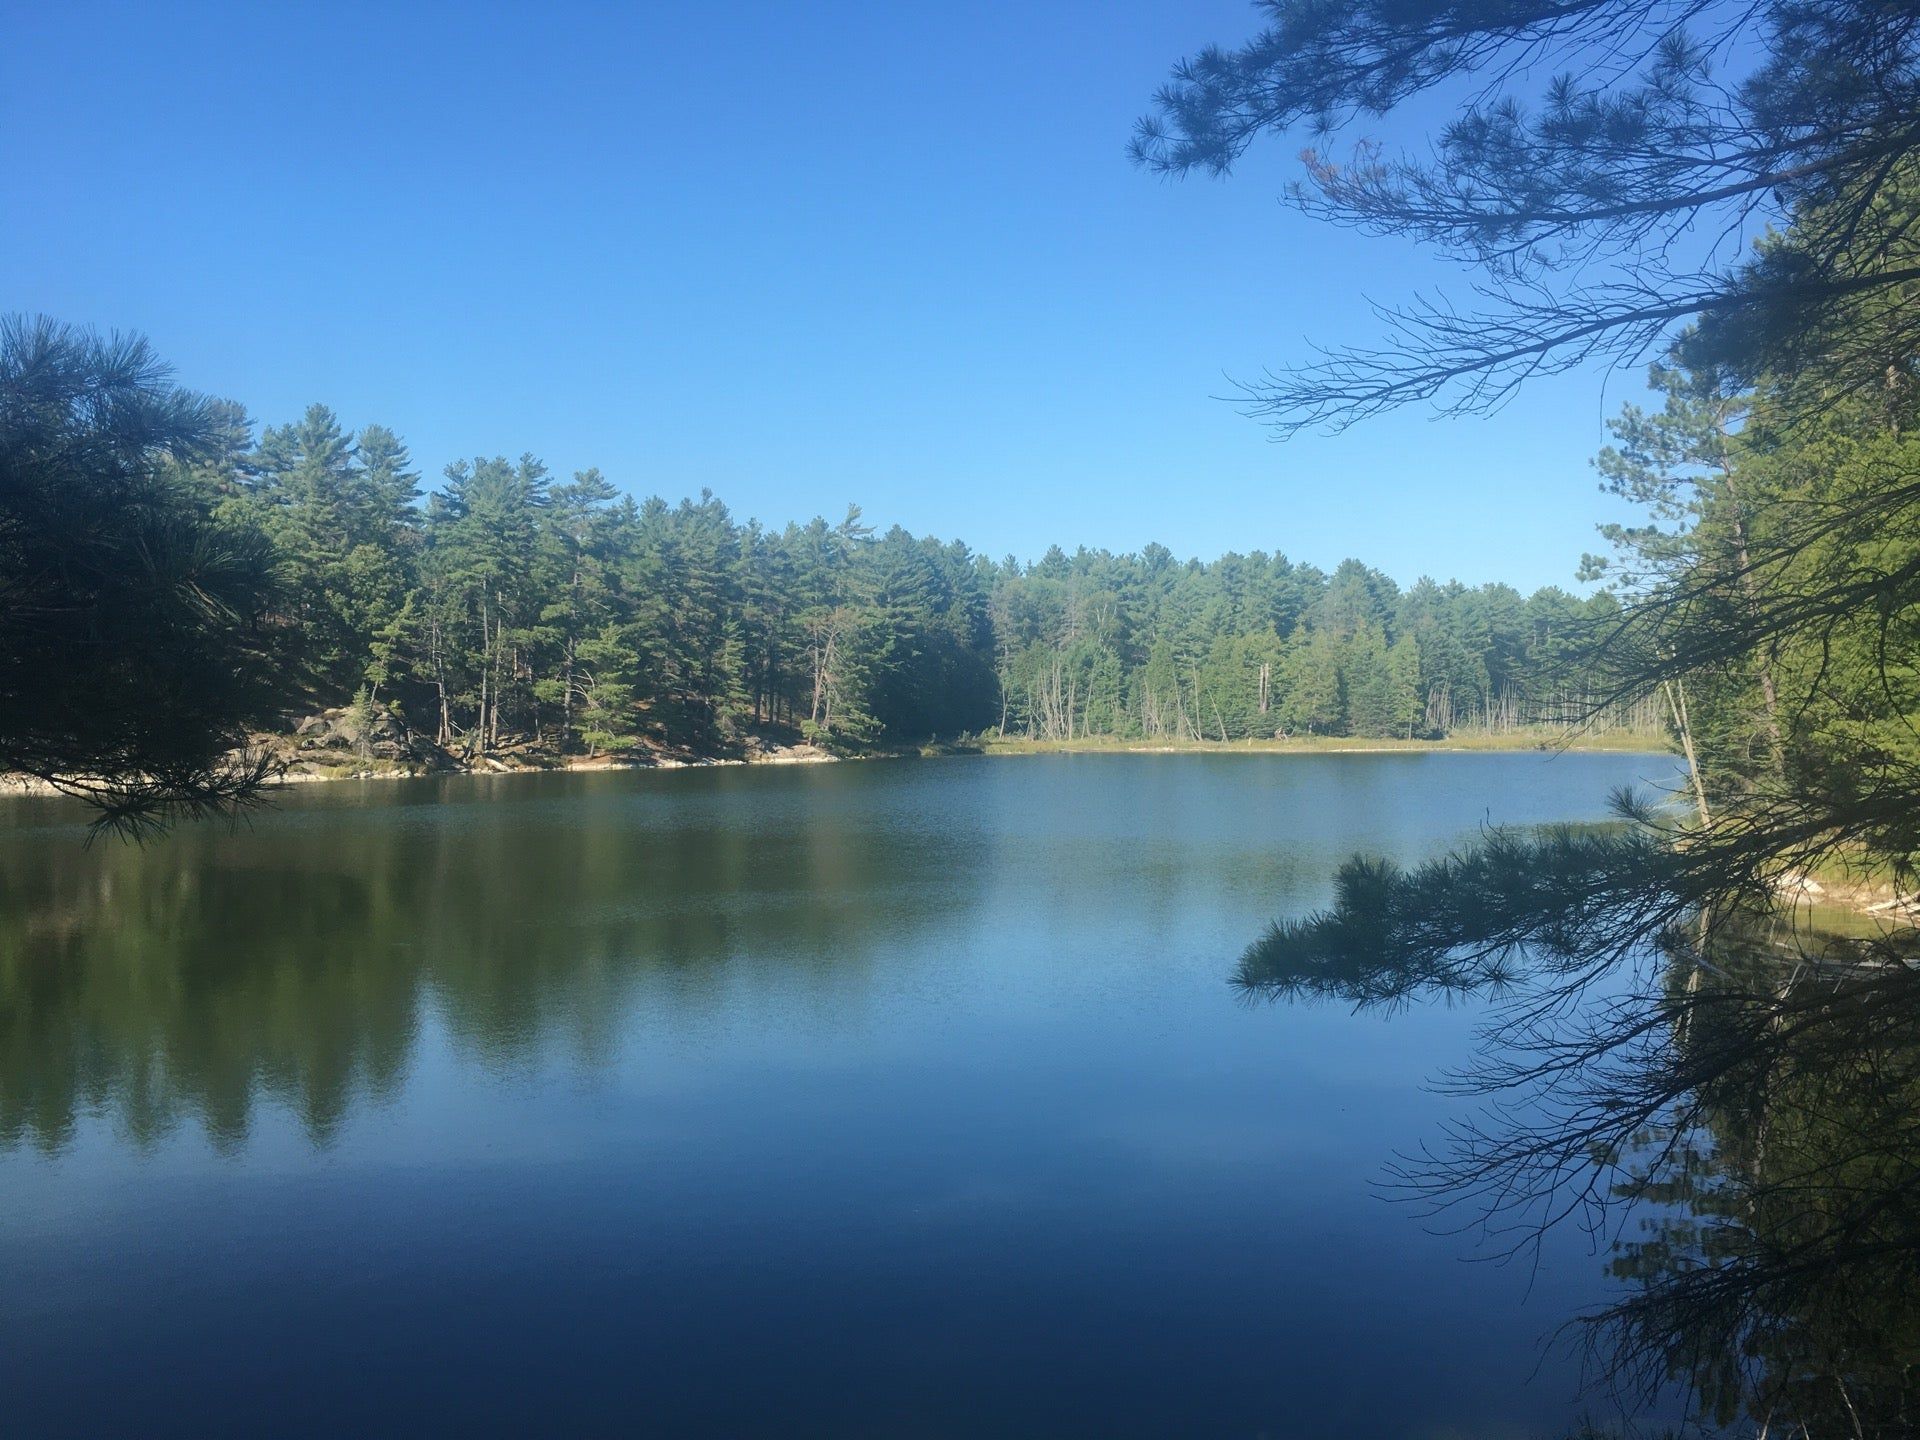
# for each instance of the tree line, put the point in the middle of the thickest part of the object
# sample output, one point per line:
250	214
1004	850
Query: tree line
510	606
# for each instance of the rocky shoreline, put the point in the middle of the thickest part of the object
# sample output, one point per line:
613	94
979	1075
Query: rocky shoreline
349	743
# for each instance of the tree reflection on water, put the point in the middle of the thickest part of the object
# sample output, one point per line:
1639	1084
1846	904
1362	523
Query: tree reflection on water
1736	1116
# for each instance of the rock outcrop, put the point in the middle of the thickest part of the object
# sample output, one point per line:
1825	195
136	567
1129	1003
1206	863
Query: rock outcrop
358	736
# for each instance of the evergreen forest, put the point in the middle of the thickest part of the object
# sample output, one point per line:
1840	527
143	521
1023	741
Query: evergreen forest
508	605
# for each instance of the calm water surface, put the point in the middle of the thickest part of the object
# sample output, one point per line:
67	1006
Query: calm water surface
898	1099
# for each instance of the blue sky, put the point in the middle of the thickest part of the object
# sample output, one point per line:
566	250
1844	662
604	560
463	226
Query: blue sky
804	254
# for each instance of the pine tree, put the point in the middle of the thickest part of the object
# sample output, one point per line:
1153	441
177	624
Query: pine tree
135	649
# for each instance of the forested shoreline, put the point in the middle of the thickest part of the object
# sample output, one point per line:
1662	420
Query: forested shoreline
510	607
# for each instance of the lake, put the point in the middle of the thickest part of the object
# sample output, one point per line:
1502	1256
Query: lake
893	1099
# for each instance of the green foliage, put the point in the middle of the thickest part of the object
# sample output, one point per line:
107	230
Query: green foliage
338	512
1251	646
134	631
1589	151
1770	597
607	684
508	609
511	607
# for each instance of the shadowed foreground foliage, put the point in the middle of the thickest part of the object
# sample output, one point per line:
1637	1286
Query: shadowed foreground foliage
1734	189
1735	1112
133	657
1601	169
1776	1273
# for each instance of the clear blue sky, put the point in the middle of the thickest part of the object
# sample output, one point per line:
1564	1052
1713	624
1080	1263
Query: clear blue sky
804	254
